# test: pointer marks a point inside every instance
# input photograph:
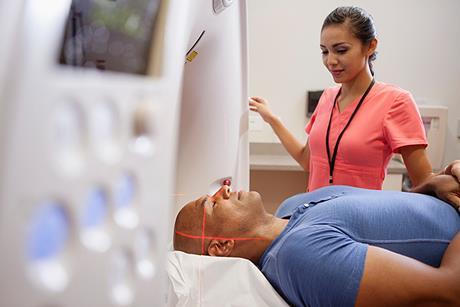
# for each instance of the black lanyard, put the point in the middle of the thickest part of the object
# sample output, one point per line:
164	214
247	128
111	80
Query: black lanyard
336	147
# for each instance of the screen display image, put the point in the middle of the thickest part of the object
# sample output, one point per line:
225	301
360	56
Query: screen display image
113	35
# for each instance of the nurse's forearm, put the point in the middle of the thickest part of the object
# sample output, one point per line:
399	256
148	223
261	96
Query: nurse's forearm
453	169
295	148
417	163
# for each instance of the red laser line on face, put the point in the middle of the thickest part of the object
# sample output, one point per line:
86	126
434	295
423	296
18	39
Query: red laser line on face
182	234
203	237
202	230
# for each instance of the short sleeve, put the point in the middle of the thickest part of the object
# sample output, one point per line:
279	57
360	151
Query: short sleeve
311	121
402	124
322	267
318	108
323	107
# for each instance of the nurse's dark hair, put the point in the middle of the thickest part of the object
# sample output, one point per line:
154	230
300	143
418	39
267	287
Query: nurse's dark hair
360	22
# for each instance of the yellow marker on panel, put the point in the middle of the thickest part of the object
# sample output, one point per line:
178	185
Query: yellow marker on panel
191	55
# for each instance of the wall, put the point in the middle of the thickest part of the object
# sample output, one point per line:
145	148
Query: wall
419	43
276	186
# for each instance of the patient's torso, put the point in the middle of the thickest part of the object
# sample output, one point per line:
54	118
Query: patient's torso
318	260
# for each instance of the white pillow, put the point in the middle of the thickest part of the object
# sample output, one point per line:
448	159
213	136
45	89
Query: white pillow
217	281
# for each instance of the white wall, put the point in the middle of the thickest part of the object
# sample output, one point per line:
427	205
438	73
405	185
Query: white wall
419	50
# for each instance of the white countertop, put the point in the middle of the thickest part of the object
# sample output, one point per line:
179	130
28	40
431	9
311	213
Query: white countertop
272	156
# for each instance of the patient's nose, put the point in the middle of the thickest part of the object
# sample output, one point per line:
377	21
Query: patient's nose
223	192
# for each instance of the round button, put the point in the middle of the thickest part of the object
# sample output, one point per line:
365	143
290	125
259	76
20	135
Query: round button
95	208
104	130
94	216
48	232
143	128
125	191
47	237
120	278
145	254
125	196
67	136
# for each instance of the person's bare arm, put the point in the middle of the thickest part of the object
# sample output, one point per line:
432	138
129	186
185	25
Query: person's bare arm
444	187
453	169
390	279
417	163
300	152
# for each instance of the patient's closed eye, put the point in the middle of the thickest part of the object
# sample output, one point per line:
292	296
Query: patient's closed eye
212	201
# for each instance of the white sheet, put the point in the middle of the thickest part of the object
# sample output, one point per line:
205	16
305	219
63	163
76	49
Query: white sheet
215	281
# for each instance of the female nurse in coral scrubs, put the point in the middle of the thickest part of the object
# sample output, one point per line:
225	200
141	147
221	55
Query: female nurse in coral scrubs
358	125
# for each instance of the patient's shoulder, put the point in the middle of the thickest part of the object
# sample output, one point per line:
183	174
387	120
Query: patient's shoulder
288	206
318	257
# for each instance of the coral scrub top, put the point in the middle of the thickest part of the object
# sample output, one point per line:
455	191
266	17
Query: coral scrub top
387	120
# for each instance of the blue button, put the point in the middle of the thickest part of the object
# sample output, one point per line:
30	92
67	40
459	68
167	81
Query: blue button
48	232
95	208
125	191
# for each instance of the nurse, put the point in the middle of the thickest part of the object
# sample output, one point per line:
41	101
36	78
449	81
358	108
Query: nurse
358	125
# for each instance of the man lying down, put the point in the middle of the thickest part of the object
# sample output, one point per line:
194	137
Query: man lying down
337	246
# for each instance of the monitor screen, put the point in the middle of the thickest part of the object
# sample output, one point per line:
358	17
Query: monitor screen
113	35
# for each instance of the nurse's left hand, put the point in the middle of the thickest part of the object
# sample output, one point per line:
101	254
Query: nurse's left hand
446	188
453	169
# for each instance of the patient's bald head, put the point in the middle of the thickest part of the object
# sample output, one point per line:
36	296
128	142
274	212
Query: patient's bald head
210	225
188	222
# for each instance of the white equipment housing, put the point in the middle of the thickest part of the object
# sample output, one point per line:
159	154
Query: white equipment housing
88	158
213	142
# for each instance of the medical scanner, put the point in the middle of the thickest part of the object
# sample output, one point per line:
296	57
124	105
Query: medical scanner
113	114
89	98
213	137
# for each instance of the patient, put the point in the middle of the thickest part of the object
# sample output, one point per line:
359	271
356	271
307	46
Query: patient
337	246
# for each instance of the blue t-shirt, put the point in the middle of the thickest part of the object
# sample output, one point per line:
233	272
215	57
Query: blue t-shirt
318	259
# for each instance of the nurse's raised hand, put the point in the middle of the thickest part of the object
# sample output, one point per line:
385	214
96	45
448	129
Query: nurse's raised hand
260	105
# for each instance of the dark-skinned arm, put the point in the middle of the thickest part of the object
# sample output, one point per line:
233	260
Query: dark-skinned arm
390	279
444	185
